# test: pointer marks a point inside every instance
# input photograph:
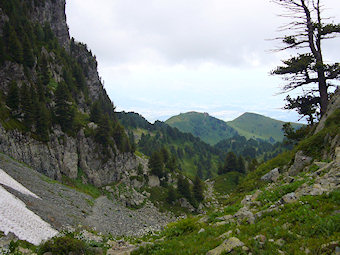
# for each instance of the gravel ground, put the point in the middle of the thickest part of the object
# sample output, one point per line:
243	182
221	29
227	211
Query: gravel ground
62	206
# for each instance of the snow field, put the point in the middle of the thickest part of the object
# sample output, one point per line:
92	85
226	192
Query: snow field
16	218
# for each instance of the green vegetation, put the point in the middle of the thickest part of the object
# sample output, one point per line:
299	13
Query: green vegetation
211	130
37	104
252	125
187	153
78	184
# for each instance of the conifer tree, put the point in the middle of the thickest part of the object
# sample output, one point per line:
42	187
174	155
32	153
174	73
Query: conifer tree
198	189
240	165
103	132
230	163
12	99
183	187
43	123
308	30
44	72
28	58
156	164
95	112
2	51
171	196
15	47
63	110
26	105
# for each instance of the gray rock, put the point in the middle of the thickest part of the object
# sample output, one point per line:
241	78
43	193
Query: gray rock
272	176
227	246
289	198
201	231
333	104
225	217
245	213
185	204
299	163
154	181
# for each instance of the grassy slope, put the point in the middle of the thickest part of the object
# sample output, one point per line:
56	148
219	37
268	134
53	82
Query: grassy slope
308	224
252	125
211	130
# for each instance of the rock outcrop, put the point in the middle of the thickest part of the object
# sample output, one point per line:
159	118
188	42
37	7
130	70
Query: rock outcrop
63	155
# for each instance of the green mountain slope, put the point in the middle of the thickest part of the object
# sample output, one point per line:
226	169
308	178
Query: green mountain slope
193	156
211	130
252	125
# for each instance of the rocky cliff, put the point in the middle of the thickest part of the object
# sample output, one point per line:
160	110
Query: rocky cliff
62	153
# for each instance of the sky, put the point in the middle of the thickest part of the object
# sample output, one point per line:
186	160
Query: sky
164	57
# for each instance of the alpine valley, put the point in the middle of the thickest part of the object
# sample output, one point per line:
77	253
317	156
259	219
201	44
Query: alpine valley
77	177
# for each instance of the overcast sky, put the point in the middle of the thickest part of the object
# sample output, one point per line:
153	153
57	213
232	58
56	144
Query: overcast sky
164	57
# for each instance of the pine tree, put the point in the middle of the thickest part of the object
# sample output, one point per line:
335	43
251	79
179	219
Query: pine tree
27	53
230	163
12	99
15	47
183	187
43	123
198	189
156	164
103	132
63	110
171	197
44	72
2	51
240	165
26	105
95	112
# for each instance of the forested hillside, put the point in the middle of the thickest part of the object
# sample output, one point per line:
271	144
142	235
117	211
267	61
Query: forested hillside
50	90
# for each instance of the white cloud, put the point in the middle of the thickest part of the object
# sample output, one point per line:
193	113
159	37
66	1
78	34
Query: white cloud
163	57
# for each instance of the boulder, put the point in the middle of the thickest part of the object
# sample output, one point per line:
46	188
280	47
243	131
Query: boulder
227	246
245	213
272	176
154	181
300	162
185	204
289	198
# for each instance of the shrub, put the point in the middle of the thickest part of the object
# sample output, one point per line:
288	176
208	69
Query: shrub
63	245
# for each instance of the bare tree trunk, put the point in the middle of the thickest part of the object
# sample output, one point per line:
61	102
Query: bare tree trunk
323	91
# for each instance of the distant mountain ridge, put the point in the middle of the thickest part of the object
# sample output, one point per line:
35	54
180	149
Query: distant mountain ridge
213	130
253	125
210	129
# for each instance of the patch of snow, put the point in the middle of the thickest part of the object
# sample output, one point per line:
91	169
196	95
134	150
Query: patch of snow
25	224
7	180
16	218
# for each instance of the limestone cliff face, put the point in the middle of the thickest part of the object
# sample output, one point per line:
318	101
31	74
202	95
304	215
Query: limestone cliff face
53	13
62	154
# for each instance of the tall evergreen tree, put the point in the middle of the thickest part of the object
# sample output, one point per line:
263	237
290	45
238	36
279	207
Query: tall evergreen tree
307	30
240	165
12	99
230	163
183	187
2	51
43	123
171	196
63	110
103	132
26	105
28	58
198	189
156	164
14	46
